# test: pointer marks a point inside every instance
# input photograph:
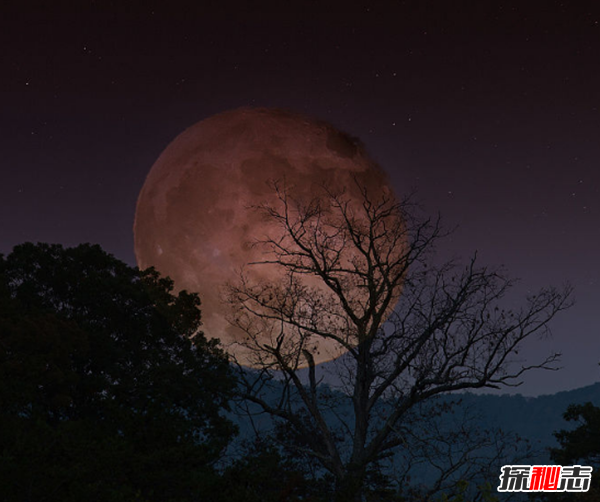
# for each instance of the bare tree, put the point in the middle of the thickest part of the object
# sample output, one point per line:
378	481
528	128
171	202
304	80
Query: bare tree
358	276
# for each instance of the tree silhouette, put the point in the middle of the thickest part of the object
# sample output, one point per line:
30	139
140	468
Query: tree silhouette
583	442
102	394
579	446
344	265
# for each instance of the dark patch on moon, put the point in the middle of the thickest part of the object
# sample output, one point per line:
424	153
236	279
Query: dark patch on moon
342	144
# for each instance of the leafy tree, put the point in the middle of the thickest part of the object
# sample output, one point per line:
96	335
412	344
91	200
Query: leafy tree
579	446
102	394
345	264
265	474
583	442
484	494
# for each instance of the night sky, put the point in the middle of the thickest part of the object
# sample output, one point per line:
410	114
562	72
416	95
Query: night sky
489	110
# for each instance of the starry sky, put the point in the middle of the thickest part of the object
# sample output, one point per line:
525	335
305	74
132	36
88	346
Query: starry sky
489	110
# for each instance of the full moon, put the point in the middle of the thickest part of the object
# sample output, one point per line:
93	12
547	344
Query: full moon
194	220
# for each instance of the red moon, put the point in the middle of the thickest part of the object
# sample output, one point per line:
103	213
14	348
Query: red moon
193	221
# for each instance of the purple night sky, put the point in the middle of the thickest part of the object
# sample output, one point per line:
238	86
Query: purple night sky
489	110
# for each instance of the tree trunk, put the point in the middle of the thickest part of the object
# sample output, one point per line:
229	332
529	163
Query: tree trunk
350	487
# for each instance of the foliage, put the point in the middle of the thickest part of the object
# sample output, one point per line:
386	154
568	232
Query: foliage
265	474
102	394
484	494
579	446
583	443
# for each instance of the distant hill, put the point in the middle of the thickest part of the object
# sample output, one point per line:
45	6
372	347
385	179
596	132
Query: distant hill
534	418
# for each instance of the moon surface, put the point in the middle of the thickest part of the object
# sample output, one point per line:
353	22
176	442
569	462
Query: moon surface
193	219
